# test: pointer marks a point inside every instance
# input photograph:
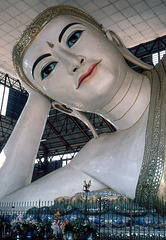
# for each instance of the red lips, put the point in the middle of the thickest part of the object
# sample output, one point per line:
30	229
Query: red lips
86	76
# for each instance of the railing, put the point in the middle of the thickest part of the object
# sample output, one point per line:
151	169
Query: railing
107	217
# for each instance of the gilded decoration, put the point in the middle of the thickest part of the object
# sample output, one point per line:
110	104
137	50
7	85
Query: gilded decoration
153	162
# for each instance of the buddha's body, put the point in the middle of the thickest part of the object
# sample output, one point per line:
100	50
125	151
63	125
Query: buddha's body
110	161
105	161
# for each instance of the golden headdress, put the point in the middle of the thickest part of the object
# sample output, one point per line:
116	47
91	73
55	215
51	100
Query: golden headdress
37	26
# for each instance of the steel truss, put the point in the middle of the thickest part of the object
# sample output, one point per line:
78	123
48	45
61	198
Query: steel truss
144	51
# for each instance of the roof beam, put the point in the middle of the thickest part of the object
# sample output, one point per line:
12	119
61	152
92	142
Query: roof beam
60	137
79	126
109	125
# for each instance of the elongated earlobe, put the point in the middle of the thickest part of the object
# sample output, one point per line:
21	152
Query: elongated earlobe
116	40
75	113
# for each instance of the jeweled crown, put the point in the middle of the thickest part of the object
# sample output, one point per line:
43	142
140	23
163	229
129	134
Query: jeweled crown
36	27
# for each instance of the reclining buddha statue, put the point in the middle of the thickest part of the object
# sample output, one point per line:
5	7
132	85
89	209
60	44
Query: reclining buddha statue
67	60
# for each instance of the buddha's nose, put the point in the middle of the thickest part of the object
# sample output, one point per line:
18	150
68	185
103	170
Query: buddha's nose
72	61
75	65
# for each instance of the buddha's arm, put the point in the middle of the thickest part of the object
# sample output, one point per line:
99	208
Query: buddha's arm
17	157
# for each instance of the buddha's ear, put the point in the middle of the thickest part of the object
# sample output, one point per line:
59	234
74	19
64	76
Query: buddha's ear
75	113
117	41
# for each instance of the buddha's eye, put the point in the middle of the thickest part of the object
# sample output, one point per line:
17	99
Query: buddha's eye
47	69
73	38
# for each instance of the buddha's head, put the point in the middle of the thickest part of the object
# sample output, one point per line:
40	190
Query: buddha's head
68	57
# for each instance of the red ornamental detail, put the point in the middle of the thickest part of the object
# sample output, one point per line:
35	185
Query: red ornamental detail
33	30
48	15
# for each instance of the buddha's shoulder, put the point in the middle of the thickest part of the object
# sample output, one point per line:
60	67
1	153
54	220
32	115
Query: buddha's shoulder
112	139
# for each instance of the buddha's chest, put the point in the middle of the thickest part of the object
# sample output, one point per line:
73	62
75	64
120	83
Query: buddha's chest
115	159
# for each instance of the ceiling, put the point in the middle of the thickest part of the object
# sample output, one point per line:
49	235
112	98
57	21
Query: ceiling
135	21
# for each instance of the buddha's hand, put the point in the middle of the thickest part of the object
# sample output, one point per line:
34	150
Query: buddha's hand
29	89
33	93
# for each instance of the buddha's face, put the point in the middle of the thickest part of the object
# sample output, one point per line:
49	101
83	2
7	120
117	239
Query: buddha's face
74	63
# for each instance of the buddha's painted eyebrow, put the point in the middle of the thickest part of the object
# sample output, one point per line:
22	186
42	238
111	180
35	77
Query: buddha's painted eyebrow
38	60
64	30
